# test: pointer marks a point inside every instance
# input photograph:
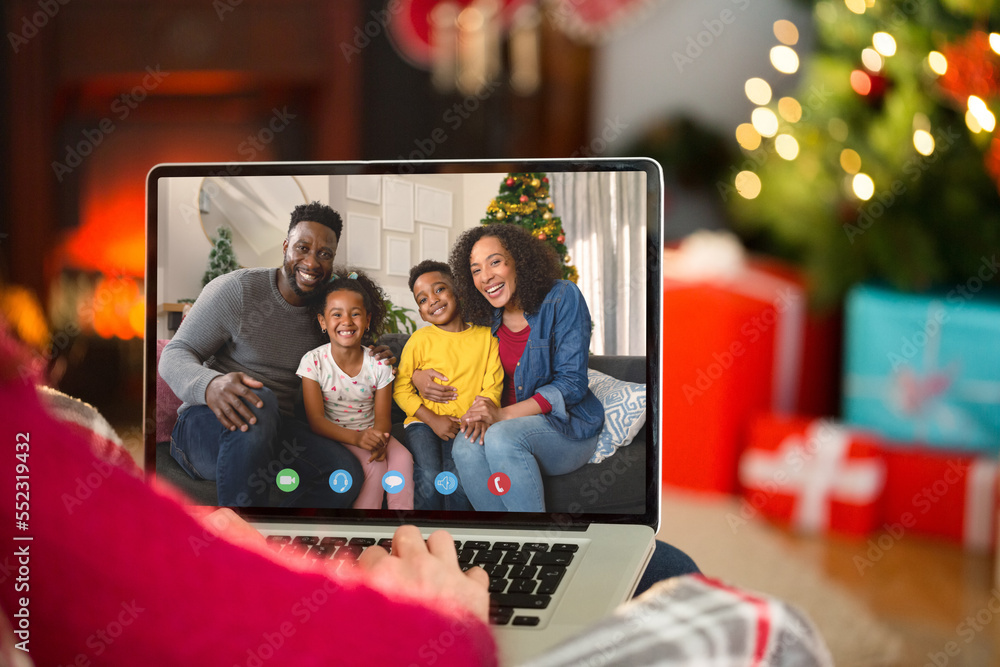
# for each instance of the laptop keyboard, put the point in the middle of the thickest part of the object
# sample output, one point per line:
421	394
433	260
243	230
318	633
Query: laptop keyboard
523	575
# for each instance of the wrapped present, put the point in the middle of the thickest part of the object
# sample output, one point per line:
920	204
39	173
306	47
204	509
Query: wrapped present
943	494
813	475
925	369
732	336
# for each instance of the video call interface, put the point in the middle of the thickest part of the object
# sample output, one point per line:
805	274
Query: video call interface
233	233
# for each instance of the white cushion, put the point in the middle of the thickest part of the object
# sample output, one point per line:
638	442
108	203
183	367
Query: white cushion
624	412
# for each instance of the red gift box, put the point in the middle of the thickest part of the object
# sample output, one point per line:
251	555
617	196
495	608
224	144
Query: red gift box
732	345
813	475
943	494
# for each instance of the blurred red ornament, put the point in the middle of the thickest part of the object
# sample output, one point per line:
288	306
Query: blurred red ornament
542	236
973	69
545	179
561	238
524	199
509	182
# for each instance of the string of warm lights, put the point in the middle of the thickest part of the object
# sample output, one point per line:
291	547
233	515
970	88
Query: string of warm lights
868	80
764	122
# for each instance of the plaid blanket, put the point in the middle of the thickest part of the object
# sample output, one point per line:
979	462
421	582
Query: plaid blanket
694	620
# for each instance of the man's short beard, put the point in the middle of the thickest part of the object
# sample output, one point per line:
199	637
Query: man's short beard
308	296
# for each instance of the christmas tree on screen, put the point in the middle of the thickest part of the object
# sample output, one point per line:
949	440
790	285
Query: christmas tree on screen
221	258
523	200
885	164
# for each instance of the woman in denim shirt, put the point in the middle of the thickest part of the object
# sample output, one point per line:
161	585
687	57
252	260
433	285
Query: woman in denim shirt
549	420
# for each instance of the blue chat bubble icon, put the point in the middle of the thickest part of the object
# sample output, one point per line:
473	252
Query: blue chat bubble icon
392	482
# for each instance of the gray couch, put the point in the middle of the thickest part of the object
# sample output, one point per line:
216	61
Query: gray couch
616	485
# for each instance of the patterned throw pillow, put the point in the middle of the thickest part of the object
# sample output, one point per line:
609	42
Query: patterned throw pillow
624	412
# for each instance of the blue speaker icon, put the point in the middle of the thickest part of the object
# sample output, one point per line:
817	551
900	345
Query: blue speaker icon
446	483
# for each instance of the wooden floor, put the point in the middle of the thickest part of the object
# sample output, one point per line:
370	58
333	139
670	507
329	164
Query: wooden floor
943	601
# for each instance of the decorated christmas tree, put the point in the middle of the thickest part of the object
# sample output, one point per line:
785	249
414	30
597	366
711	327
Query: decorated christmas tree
221	259
885	165
524	200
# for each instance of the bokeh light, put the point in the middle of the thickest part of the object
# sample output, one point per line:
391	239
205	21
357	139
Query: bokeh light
748	184
871	59
937	62
764	121
861	82
748	137
995	42
982	113
786	32
790	109
784	59
863	186
850	161
786	146
884	43
837	129
758	91
972	123
923	142
921	122
856	6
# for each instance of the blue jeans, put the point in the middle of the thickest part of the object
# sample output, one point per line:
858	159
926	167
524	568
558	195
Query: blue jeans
667	561
245	464
523	449
432	455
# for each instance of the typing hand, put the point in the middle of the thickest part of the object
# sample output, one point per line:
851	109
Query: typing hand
427	571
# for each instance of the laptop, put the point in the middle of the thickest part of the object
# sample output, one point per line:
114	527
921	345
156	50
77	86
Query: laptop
596	533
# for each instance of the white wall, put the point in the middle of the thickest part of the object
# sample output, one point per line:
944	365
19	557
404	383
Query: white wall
183	244
480	189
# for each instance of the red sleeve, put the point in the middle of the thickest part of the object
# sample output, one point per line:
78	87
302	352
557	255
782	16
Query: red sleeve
116	574
543	404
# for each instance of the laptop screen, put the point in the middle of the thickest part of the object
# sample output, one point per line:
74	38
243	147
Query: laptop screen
468	341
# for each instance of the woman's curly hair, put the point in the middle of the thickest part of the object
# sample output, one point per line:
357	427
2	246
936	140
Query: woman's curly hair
371	295
536	267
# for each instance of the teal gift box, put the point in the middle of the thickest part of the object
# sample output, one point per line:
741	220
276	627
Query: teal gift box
924	367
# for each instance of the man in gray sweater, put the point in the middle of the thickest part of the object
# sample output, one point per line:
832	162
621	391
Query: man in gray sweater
232	362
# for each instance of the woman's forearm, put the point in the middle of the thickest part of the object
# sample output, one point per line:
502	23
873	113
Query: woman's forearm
524	408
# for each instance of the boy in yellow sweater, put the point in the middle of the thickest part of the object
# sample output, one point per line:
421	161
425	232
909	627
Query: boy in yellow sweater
469	357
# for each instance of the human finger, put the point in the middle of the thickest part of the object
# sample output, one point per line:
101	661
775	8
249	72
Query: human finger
240	413
479	576
371	556
227	524
440	377
442	545
250	382
439	393
407	542
227	411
